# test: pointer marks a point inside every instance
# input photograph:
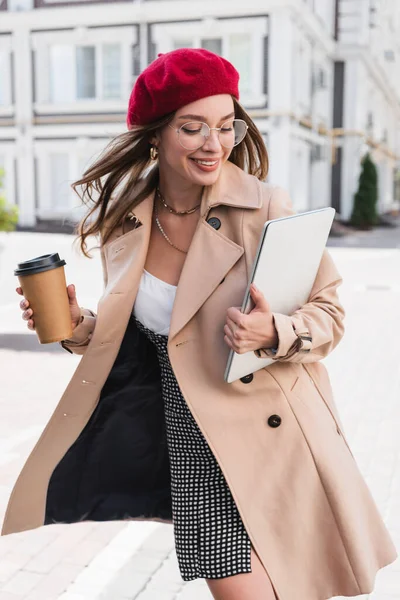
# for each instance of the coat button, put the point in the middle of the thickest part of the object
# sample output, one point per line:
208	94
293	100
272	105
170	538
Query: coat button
274	421
214	222
247	378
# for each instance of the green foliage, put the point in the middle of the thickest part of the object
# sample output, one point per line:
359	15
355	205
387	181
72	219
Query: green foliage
364	215
8	212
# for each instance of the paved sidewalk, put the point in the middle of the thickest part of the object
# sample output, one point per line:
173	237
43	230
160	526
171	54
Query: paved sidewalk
135	560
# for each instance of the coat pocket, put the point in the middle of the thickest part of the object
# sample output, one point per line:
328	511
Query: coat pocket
309	393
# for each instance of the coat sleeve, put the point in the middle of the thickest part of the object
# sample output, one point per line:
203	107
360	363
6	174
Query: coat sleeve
82	334
315	329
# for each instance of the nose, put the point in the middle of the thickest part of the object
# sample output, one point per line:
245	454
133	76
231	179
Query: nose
212	143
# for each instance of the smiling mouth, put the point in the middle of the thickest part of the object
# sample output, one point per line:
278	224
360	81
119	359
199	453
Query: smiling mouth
206	163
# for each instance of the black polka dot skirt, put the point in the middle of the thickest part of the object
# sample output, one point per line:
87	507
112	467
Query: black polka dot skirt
210	539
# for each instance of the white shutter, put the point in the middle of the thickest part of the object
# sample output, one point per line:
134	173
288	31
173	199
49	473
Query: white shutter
62	74
111	55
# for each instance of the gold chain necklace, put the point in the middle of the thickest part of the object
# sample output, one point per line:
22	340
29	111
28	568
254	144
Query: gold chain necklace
180	213
164	234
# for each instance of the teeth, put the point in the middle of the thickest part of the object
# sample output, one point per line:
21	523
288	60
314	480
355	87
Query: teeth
207	163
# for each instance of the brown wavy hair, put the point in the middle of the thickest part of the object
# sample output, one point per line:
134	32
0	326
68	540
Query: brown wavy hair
123	164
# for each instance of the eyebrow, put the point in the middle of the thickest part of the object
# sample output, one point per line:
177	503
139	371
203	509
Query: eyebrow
202	118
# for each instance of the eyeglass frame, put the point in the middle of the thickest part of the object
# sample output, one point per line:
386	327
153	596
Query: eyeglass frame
210	129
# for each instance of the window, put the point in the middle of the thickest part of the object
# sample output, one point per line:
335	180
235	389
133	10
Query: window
85	72
240	54
85	67
241	41
212	44
77	69
238	49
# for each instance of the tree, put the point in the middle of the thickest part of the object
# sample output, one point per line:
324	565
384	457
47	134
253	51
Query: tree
8	212
364	214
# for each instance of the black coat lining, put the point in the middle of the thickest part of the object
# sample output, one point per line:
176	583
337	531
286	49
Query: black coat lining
118	468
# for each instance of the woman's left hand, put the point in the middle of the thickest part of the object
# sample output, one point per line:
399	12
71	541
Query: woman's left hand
246	333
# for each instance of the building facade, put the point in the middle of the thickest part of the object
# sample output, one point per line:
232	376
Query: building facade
367	98
319	77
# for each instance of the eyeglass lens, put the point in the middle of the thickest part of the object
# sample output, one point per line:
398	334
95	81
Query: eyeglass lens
194	134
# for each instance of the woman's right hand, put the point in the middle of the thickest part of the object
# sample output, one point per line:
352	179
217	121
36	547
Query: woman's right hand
74	308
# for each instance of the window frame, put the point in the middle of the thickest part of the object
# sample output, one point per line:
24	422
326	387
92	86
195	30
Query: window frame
164	35
125	36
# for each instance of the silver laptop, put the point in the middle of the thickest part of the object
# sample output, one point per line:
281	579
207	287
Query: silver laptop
285	267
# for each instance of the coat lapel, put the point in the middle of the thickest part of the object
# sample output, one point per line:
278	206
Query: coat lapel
211	254
126	254
210	257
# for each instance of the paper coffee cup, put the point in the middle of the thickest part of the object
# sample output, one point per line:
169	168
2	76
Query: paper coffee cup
43	284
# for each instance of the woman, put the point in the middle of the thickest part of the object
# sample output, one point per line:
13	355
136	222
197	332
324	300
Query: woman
265	496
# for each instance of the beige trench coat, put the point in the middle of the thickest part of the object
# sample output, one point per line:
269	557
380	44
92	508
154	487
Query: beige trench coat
310	515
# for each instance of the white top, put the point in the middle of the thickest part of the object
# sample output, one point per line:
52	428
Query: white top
154	302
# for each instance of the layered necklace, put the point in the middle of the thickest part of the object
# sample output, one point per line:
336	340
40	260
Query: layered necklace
179	213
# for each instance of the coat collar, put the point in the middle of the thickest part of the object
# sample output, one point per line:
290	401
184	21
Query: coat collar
233	188
211	254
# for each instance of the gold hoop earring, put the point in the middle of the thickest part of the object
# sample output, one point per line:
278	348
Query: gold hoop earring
153	152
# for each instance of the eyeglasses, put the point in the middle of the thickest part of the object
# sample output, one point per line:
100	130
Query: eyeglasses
194	134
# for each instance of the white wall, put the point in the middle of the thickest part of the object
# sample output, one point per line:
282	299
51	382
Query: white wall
371	100
301	86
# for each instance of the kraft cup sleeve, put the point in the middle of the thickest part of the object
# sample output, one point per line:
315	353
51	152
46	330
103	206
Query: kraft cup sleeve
83	330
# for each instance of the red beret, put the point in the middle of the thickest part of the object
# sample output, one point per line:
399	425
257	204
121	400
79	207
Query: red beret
178	78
